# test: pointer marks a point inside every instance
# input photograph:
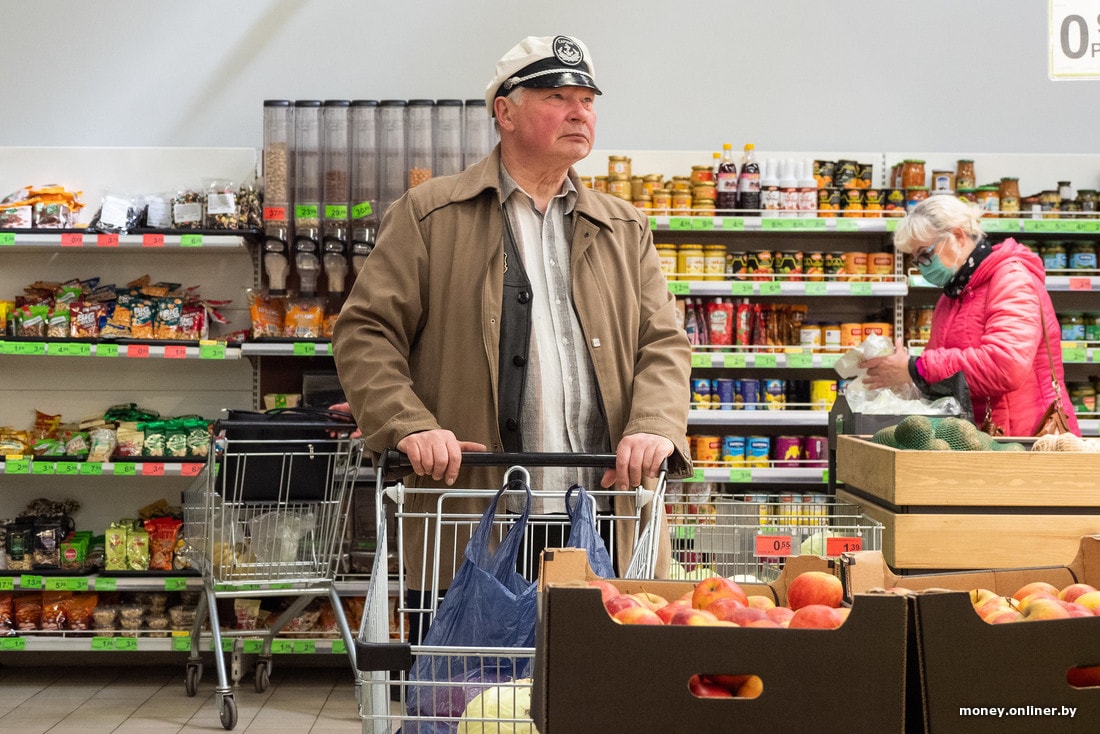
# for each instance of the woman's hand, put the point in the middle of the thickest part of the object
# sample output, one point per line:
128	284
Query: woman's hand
891	371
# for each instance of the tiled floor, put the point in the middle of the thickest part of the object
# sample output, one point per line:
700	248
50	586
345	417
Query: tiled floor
151	700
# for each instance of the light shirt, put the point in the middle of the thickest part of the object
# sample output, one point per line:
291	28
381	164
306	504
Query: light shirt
560	408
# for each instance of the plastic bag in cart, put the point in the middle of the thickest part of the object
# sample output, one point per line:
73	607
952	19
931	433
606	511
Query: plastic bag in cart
277	535
583	532
488	605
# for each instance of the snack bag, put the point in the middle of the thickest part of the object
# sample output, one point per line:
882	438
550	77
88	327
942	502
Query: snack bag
137	550
115	548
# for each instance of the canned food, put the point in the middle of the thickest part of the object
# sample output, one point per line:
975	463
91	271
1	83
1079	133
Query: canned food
725	389
1082	255
701	393
789	265
757	451
748	393
774	393
733	450
845	173
788	452
824	172
872	203
708	449
690	262
737	265
880	265
1054	256
851	335
831	334
828	201
893	202
834	264
878	329
714	262
813	266
822	394
809	336
816	452
761	265
855	265
851	203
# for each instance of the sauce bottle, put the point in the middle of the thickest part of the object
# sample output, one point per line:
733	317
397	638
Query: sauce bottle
748	183
807	190
727	181
769	189
788	189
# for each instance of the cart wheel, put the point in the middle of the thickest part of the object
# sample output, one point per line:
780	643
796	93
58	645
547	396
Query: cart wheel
191	681
227	711
263	675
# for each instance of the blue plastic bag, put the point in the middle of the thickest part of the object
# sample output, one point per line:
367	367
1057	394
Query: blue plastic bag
583	532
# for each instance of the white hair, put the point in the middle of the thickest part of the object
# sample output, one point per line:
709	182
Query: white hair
515	97
935	217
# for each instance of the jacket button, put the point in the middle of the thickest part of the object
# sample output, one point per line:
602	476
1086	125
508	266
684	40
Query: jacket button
519	361
511	424
523	297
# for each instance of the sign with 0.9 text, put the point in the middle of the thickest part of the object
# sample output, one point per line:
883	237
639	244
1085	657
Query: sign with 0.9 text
1074	31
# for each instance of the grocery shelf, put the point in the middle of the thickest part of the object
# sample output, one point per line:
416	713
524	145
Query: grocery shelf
761	416
176	642
1058	281
806	225
69	348
761	475
802	359
100	240
892	285
287	348
137	581
45	466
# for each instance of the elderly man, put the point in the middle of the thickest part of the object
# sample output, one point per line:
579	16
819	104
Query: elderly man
510	308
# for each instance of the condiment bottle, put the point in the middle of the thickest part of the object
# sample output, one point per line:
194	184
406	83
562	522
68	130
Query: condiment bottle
727	181
748	182
788	190
769	189
807	190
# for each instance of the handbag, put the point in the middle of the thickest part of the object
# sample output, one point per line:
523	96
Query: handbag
1054	420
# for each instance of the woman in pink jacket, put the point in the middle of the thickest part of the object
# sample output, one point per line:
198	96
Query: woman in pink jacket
986	323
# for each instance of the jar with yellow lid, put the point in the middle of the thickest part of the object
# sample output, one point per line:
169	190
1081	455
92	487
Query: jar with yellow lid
619	185
599	183
662	202
618	165
645	203
637	186
704	191
680	183
667	253
702	207
690	262
681	203
702	174
714	262
652	181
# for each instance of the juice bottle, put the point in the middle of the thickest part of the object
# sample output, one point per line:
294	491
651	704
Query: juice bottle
726	181
748	183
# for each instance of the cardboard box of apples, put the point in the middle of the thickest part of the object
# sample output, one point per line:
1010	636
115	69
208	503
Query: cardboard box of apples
713	655
1006	650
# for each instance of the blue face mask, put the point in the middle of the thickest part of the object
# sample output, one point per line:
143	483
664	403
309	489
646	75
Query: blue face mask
935	272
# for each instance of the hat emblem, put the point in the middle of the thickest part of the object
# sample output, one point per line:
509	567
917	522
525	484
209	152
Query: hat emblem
567	51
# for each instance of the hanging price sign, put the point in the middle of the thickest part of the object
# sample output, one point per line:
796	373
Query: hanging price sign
1074	39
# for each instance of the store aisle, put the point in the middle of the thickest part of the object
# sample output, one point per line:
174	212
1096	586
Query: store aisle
151	700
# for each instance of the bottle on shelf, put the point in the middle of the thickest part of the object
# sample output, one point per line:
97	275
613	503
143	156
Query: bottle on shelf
748	182
788	189
807	190
726	180
769	188
691	322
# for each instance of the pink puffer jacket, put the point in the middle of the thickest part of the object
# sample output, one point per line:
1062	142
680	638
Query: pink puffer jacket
992	333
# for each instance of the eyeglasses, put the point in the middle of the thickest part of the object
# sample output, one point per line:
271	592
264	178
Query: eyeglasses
925	257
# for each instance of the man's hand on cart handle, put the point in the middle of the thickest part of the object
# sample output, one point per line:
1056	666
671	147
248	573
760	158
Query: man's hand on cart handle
346	408
437	453
637	454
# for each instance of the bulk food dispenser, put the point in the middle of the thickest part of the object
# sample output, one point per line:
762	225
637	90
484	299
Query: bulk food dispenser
278	173
307	194
392	172
365	209
448	137
421	153
478	133
336	164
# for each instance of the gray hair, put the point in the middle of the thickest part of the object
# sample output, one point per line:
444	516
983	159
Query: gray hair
935	217
516	98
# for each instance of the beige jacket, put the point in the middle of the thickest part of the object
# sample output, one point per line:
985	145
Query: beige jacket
416	344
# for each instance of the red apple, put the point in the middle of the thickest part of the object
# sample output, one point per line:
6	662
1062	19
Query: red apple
607	589
650	601
1075	609
1090	600
666	612
703	688
691	616
780	615
636	615
764	623
1033	587
1071	592
1030	599
1084	677
751	688
814	587
722	607
739	615
1009	615
815	616
1044	609
622	601
981	596
716	587
760	601
995	606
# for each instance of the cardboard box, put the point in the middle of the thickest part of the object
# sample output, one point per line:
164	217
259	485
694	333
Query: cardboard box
971	509
594	675
1015	673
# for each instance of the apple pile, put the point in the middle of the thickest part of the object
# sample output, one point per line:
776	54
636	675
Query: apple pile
1035	601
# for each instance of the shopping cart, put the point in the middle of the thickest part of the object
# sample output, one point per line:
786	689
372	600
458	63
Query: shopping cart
748	537
483	682
265	518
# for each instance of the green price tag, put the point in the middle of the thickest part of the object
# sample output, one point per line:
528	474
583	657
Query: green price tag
278	587
825	476
860	289
1088	226
702	223
775	225
816	289
1068	226
8	348
126	469
307	211
734	361
211	351
361	210
741	475
336	211
126	643
701	360
696	476
91	468
71	350
27	581
281	647
683	532
307	647
1001	225
1074	354
253	647
741	288
800	361
7	583
190	240
175	584
106	584
891	225
103	643
33	349
771	288
811	225
181	643
227	644
57	583
847	225
653	223
14	465
1040	225
305	349
13	643
680	224
106	350
7	238
735	224
339	647
764	360
67	468
248	587
679	287
42	467
829	360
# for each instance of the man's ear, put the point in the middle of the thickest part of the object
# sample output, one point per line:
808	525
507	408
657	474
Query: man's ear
503	110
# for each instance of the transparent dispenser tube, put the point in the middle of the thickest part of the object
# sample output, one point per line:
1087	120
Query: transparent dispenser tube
336	164
392	160
365	211
307	194
419	131
478	132
447	137
278	171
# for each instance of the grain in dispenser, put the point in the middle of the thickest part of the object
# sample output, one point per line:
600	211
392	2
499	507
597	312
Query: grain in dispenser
307	194
419	116
336	162
448	137
278	173
392	152
365	211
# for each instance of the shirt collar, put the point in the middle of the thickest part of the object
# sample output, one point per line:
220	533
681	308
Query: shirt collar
508	186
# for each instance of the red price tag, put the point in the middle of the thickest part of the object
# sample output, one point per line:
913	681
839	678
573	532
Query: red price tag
72	239
274	213
175	351
152	240
840	546
140	351
772	545
1080	284
107	240
152	470
190	470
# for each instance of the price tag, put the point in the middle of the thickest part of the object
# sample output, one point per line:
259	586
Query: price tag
679	287
106	350
829	360
91	468
13	643
67	468
772	545
741	288
771	288
278	213
138	351
696	476
253	647
702	223
776	225
27	581
211	351
362	210
72	239
339	647
106	240
106	584
839	546
1074	39
191	240
734	361
701	360
1067	226
1040	225
680	224
181	643
175	351
7	238
307	647
32	349
152	469
336	211
816	289
653	223
1083	226
66	584
847	225
152	240
42	467
307	211
998	225
733	224
175	584
126	469
7	583
281	647
305	349
814	225
8	348
126	643
70	350
800	361
740	476
17	465
860	289
1074	354
891	225
103	643
190	470
764	360
1080	284
825	476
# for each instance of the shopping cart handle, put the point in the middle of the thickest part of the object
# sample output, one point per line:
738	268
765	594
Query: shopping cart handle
395	463
383	656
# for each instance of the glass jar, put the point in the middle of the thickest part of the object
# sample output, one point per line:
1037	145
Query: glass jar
1030	207
702	207
924	322
704	191
1050	203
714	262
690	262
447	146
702	174
1073	326
1087	201
964	174
968	194
1054	255
989	200
1082	255
1009	195
599	183
912	173
1092	327
667	253
915	195
618	165
662	201
943	181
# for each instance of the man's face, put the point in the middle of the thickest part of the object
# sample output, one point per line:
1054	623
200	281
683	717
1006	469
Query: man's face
554	125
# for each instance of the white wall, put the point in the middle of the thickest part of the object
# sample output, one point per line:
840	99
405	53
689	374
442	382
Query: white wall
788	75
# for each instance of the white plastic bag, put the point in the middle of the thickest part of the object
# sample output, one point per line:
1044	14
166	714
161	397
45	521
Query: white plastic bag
885	401
276	535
